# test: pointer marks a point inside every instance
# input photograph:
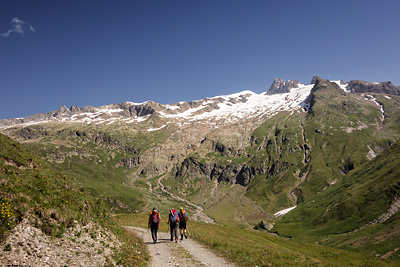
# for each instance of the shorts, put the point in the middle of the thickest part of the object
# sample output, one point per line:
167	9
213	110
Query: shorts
182	225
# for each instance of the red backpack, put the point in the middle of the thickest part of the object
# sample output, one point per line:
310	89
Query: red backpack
154	217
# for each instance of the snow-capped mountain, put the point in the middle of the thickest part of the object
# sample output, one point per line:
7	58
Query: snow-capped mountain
218	110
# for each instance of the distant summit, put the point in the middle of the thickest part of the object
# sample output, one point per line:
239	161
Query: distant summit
315	79
279	86
360	87
357	86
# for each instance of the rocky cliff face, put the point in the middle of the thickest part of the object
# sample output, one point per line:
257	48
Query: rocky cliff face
279	86
231	173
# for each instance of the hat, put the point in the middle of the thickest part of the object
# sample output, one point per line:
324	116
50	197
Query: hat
181	208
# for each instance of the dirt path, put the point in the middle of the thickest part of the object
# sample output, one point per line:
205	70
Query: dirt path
183	253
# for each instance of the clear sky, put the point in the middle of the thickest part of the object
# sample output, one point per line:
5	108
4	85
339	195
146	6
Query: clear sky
101	52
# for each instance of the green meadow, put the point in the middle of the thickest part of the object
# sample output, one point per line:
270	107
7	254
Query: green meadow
245	247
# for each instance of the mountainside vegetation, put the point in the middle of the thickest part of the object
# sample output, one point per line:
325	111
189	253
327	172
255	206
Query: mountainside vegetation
359	212
34	194
31	189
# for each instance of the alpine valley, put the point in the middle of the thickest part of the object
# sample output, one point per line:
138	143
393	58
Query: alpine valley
318	163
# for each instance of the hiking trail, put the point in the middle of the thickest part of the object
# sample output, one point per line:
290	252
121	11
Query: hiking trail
185	252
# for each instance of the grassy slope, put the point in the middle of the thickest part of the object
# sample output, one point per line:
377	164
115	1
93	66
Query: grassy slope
279	148
254	248
339	131
31	189
332	216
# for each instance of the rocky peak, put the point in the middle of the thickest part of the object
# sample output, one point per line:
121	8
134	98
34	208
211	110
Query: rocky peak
74	109
315	79
279	86
357	86
145	109
321	84
88	109
62	110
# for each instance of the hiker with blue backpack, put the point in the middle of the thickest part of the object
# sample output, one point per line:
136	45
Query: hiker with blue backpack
173	221
183	217
154	223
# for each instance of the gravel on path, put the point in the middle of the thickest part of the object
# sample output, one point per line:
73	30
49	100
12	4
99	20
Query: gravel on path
185	252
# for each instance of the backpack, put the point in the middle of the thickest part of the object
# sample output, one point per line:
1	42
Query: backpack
154	217
173	217
183	216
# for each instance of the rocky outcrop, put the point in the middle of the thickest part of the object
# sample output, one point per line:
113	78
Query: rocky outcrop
142	110
89	245
191	167
265	225
224	149
393	208
232	173
28	133
279	86
357	86
129	163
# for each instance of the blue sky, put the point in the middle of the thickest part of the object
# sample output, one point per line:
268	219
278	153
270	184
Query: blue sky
100	52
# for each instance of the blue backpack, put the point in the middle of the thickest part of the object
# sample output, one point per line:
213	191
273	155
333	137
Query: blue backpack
173	217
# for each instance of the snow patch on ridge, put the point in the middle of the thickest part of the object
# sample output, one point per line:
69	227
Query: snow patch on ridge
373	99
156	129
343	86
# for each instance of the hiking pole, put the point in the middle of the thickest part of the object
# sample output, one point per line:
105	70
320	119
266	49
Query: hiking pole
167	231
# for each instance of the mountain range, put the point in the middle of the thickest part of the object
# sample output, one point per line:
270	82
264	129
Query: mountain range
244	158
220	109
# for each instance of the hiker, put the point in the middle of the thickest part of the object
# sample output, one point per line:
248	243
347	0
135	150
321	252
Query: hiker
173	224
154	223
183	217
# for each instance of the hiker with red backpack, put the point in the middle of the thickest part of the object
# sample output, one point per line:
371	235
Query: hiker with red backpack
173	224
154	223
183	217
